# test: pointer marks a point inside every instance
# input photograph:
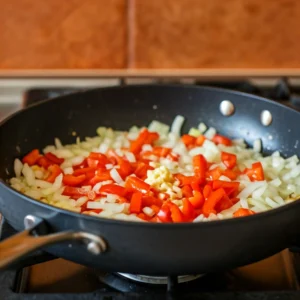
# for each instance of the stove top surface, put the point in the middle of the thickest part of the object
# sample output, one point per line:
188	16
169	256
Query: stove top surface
42	276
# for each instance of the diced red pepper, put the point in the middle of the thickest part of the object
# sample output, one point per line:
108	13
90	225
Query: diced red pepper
161	151
242	212
200	140
72	180
231	174
188	210
101	176
73	191
200	166
214	174
32	157
83	171
150	201
220	139
141	169
225	184
113	189
256	173
187	191
54	170
151	138
212	201
135	184
188	140
81	165
207	191
137	145
136	202
43	162
54	159
197	200
173	156
184	180
125	167
164	214
228	159
225	203
176	214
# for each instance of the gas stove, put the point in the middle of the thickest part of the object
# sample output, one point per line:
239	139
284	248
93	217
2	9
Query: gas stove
43	276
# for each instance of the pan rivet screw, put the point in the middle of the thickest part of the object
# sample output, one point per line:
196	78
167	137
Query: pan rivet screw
266	117
29	221
226	108
93	248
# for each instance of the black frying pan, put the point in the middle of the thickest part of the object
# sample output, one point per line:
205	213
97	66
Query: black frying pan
145	248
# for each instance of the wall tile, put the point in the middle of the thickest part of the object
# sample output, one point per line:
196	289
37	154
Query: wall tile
213	34
62	34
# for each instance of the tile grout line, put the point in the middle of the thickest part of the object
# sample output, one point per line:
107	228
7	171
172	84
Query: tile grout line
130	15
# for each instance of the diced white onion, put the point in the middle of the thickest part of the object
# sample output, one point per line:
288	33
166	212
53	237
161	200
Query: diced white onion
116	176
177	124
18	166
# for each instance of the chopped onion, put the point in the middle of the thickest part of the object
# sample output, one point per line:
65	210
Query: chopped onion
18	166
116	176
130	157
177	124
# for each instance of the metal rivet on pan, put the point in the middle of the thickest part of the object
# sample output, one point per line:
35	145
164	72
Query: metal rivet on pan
266	117
30	221
94	248
226	108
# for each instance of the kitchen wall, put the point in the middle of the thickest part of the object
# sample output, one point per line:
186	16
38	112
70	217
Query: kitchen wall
147	34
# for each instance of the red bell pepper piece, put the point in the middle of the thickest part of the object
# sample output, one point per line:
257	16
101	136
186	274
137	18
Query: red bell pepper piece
256	173
187	191
173	156
228	159
161	151
141	169
82	165
71	180
220	139
54	170
176	214
214	174
83	171
151	138
74	192
197	200
125	167
242	212
134	184
136	202
188	140
225	184
225	203
150	201
113	189
100	176
137	145
54	159
184	180
32	157
188	210
207	191
231	174
212	201
43	162
164	214
200	166
200	140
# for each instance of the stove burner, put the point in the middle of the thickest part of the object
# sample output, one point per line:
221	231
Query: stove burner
158	279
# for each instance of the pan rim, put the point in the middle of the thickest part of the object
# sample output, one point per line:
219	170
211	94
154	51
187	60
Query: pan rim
224	222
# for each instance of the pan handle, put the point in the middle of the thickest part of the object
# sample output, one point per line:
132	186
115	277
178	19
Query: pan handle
25	242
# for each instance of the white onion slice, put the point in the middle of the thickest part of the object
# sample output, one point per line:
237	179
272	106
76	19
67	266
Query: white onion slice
116	176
